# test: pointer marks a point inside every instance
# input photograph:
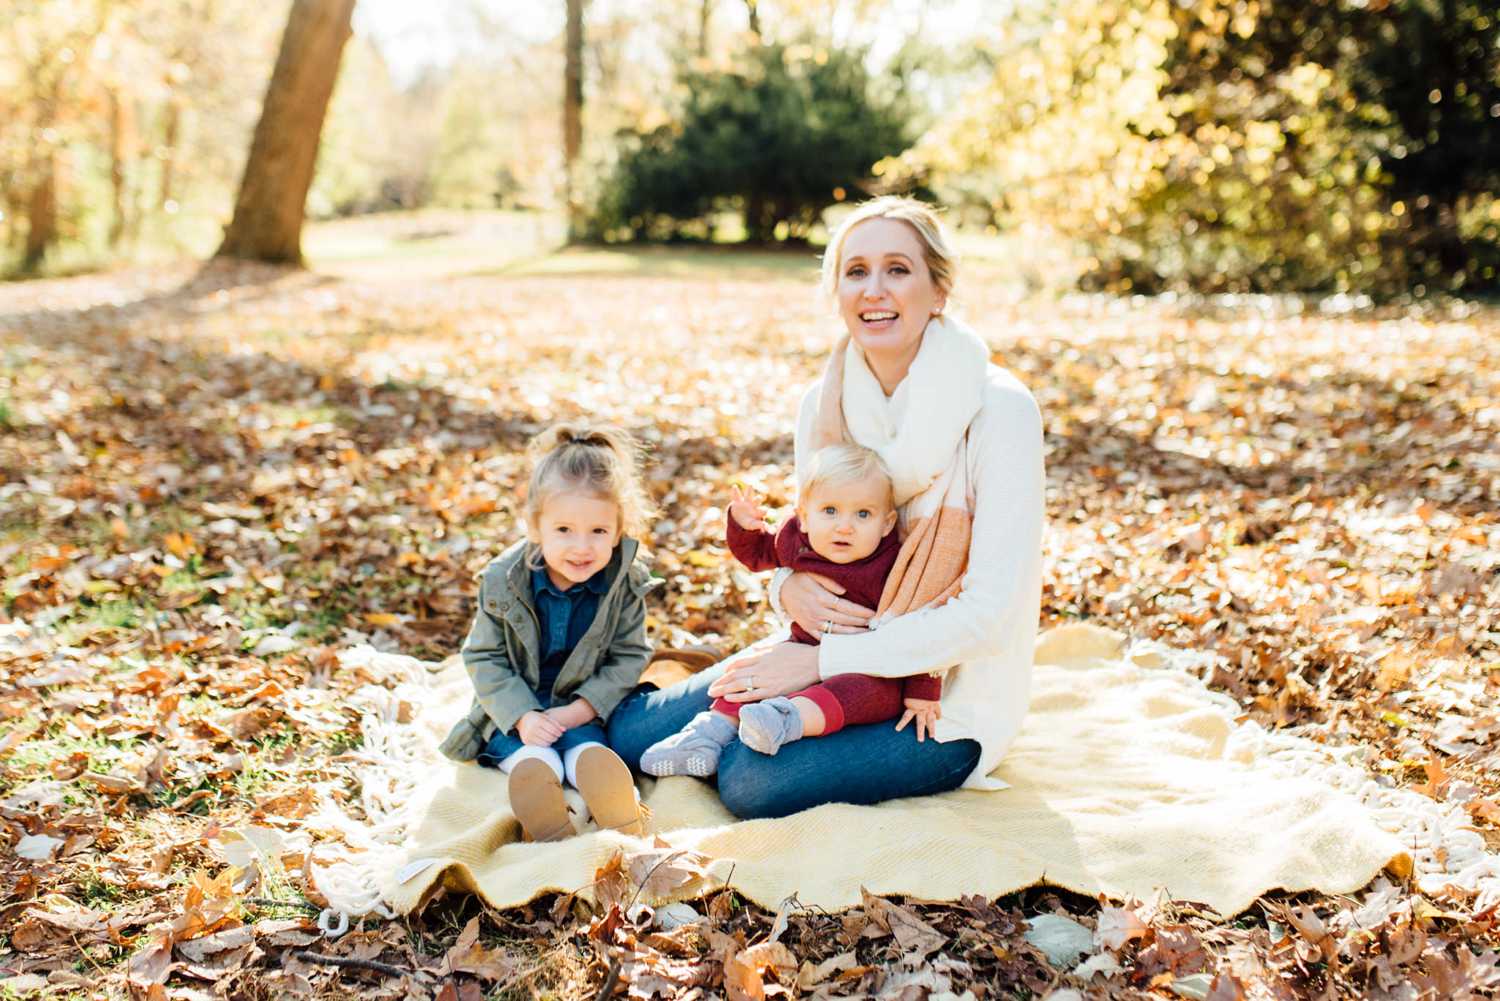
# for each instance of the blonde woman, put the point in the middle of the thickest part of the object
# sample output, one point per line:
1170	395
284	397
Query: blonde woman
962	439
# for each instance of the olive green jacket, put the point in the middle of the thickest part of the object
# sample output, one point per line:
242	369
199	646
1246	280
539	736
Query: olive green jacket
503	651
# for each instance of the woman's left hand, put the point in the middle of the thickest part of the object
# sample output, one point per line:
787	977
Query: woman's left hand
781	670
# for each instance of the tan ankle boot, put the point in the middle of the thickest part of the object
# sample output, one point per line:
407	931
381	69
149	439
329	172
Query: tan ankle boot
607	788
536	798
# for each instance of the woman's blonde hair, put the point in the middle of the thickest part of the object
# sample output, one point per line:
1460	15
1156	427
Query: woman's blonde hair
841	464
937	248
596	459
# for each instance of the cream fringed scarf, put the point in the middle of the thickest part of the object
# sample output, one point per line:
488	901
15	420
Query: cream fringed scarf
921	431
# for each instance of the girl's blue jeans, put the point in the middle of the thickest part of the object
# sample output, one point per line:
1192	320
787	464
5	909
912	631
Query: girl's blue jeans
858	764
503	745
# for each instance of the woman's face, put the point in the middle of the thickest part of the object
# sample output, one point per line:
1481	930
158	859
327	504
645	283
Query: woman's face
885	291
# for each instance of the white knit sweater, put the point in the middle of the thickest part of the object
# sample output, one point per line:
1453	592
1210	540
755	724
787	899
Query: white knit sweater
989	629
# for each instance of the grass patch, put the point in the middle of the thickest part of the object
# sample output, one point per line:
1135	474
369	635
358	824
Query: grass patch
185	579
98	893
293	416
429	244
93	618
344	740
34	758
263	767
253	613
707	262
327	619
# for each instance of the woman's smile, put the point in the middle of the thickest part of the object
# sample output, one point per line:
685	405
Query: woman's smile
886	295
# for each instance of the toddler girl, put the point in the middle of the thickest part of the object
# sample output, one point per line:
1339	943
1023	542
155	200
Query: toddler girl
844	529
559	637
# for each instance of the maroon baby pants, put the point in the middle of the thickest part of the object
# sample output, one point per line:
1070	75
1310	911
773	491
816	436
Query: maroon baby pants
846	700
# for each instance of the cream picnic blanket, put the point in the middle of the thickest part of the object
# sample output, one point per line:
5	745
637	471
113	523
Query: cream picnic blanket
1129	777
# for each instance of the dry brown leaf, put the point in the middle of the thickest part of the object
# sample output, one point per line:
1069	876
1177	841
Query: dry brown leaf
743	980
1118	925
912	933
468	956
810	976
180	544
285	932
611	885
199	949
1437	778
152	964
662	871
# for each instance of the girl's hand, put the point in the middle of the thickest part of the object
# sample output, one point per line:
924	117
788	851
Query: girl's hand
813	602
746	512
538	729
575	713
783	669
925	712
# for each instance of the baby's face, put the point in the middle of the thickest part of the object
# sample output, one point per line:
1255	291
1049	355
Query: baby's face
846	521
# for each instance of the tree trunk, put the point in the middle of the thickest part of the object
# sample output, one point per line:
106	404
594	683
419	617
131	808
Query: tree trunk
752	7
267	223
169	153
704	11
41	214
121	146
573	114
757	227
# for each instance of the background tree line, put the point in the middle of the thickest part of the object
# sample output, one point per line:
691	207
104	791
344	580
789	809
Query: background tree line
1197	144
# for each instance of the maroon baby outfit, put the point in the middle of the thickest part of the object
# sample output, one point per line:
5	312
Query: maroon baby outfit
848	699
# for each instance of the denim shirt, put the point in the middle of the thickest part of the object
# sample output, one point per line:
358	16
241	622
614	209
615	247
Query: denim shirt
564	617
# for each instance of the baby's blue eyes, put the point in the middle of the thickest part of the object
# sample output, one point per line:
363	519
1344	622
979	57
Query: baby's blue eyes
863	512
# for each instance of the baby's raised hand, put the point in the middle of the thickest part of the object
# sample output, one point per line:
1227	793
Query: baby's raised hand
746	513
925	711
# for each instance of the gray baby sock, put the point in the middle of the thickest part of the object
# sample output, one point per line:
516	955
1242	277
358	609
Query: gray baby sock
765	726
693	750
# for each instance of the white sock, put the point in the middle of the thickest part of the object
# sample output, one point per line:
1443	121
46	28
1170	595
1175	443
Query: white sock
546	754
570	761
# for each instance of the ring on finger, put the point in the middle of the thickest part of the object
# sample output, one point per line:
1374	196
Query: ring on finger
827	625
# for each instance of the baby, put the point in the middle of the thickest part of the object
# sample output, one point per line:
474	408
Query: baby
844	529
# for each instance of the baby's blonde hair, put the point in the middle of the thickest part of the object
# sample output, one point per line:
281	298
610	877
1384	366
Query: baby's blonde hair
600	460
937	248
841	464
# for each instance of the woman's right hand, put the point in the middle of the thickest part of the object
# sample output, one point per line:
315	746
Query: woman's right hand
538	729
814	603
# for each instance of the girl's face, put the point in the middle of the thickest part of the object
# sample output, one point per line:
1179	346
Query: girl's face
577	533
845	522
885	291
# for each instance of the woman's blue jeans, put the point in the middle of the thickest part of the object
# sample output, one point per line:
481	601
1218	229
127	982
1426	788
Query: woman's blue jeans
859	764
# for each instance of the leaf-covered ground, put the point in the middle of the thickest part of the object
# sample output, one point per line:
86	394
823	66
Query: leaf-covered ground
216	481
